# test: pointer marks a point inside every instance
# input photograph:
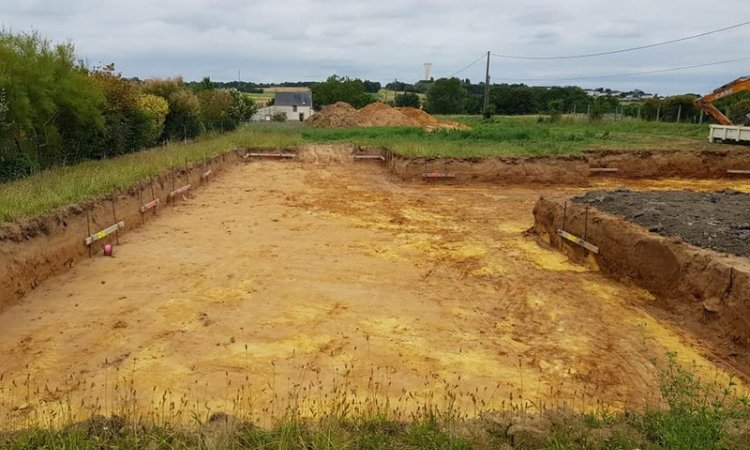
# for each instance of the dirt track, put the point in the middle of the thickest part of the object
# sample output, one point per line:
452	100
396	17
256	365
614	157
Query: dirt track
284	274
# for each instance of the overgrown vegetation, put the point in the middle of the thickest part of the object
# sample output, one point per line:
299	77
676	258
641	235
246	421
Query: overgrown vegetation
54	111
695	414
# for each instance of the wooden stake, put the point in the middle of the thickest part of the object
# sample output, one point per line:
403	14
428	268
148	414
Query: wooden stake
114	219
88	227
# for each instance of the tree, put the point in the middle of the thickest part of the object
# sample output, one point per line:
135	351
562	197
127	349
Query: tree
408	99
215	106
52	107
340	89
446	96
738	113
152	113
120	113
183	120
373	87
205	85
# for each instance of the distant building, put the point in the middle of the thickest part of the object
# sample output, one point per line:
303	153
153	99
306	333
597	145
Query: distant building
294	105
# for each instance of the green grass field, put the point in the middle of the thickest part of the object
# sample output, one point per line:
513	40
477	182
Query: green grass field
521	136
49	190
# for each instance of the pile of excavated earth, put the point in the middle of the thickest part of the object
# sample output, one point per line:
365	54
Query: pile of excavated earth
718	221
340	115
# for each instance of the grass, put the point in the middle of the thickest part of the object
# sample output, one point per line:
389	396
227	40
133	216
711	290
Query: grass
521	136
58	187
694	415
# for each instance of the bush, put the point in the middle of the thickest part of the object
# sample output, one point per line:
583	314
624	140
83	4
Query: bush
183	119
14	165
408	99
214	109
151	115
279	117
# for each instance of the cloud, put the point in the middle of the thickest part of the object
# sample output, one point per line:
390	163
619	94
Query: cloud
389	39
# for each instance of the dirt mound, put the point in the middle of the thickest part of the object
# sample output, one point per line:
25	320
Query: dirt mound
377	114
337	115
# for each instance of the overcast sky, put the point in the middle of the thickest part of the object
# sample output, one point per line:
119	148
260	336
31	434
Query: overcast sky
293	40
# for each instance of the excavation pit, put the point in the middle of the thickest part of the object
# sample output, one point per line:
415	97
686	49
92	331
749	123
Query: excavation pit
323	272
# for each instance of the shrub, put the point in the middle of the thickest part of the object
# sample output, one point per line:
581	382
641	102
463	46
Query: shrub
408	99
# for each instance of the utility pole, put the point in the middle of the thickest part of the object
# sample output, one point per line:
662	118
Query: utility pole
487	87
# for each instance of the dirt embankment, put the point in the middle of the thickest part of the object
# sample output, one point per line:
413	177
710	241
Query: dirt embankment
707	293
34	249
577	170
712	163
340	115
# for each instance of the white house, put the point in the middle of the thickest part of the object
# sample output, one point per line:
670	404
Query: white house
295	105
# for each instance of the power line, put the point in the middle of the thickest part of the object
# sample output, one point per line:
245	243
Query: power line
481	57
622	75
624	50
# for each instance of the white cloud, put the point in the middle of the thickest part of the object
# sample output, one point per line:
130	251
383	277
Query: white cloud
384	40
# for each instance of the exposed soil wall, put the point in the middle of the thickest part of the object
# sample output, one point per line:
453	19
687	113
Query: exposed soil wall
546	170
707	293
32	250
712	163
576	170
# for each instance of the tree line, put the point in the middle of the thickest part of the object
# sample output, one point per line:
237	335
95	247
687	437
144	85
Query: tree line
55	111
455	96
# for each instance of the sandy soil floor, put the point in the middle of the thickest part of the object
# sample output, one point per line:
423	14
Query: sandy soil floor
284	280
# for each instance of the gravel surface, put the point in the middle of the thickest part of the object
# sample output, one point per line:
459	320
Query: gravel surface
715	220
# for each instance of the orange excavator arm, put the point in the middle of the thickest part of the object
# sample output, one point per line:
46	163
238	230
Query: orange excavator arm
706	103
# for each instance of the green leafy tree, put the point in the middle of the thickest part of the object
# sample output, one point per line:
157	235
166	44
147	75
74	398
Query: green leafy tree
243	107
340	89
513	99
151	115
446	96
372	87
206	85
215	106
53	108
408	99
738	112
183	119
121	112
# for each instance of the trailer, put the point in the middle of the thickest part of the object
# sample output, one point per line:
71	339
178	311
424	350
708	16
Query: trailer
729	134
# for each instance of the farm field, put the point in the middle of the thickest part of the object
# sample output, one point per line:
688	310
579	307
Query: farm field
289	276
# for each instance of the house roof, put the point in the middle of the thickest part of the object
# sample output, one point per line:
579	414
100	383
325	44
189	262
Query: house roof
293	99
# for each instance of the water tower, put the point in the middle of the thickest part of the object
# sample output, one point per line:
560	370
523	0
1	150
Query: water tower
427	71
